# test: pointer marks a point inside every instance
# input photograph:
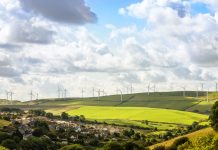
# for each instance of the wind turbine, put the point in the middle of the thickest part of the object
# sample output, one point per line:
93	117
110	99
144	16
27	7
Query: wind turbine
7	94
121	95
99	93
82	92
148	88
183	90
207	95
216	87
11	95
59	92
131	88
202	86
31	95
93	92
127	90
197	93
65	93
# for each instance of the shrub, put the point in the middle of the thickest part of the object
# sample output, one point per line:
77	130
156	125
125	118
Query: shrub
64	116
35	143
72	147
159	147
4	136
133	146
113	146
9	143
178	142
38	132
49	115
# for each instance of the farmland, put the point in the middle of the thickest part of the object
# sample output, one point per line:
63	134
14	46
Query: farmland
138	113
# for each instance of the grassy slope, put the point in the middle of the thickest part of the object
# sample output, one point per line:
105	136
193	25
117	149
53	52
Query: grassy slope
138	113
172	100
167	100
200	133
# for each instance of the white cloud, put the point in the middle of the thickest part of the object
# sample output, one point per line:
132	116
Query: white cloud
40	54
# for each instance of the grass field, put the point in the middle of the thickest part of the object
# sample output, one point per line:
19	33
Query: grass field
200	133
137	113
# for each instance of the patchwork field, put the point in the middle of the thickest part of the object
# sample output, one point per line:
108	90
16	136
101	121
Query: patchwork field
167	100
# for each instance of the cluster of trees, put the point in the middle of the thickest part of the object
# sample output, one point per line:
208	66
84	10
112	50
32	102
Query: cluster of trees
63	116
11	110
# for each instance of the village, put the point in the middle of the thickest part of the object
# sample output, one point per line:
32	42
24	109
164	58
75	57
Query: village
59	131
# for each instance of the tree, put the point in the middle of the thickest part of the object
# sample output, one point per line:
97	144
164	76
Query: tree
35	143
178	142
64	116
137	136
38	132
37	112
49	115
9	143
41	124
133	146
113	146
214	116
4	136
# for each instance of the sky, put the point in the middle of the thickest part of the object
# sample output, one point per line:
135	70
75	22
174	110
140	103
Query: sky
107	44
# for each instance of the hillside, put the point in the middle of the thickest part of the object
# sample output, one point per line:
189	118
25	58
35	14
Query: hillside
192	136
166	100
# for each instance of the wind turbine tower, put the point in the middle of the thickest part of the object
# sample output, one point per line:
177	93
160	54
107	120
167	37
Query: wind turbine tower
7	94
197	93
31	95
121	95
65	93
148	88
207	95
59	92
83	92
131	88
202	86
99	93
183	91
93	92
216	87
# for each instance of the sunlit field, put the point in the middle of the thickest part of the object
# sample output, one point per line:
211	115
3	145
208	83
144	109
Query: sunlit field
138	113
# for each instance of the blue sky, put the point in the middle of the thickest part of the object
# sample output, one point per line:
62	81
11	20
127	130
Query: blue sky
107	13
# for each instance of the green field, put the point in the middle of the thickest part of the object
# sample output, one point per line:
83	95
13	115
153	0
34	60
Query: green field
137	114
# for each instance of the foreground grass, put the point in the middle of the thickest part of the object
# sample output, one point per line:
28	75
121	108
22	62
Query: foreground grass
137	114
191	136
